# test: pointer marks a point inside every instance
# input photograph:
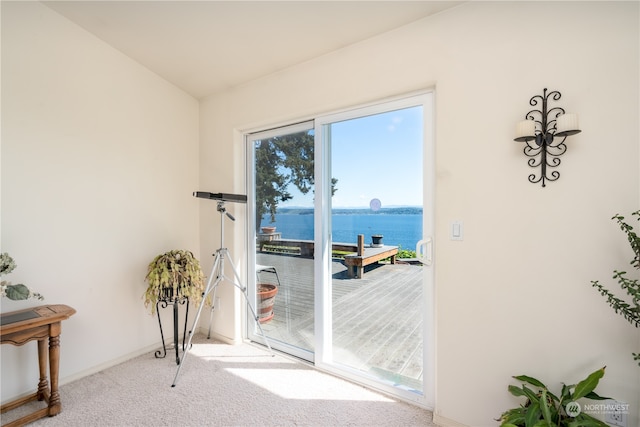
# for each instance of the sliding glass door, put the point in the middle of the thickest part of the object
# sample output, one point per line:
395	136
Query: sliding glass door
377	315
282	232
350	197
376	222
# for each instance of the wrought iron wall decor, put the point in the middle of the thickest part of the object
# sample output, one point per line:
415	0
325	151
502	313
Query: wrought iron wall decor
544	132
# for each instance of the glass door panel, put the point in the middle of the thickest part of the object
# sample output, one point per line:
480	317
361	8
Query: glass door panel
376	223
282	161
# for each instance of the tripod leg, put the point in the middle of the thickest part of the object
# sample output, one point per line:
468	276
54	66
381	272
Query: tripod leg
210	286
213	307
246	298
257	322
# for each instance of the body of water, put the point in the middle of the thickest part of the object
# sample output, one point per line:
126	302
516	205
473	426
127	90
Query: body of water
399	226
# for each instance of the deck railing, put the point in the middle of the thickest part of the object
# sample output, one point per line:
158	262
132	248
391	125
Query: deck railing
356	256
303	248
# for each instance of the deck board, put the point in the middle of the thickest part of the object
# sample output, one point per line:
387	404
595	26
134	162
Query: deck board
377	319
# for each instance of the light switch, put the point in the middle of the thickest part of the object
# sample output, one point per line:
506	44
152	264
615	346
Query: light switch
456	230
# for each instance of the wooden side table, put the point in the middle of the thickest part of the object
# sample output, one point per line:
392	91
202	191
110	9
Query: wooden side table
37	323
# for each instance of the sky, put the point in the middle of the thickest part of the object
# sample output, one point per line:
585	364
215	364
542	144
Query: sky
375	157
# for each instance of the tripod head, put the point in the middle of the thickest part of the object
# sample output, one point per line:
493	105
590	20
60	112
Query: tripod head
223	210
222	198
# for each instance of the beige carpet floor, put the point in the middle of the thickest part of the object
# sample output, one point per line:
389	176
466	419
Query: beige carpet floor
224	385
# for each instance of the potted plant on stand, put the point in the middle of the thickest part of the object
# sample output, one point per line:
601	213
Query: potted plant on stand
174	277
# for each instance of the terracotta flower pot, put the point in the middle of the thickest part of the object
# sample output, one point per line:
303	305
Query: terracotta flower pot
266	300
268	230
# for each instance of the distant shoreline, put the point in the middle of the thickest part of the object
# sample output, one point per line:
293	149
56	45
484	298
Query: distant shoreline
406	210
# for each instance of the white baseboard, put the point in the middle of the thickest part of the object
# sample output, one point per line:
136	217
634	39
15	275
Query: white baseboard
132	355
109	364
446	422
101	367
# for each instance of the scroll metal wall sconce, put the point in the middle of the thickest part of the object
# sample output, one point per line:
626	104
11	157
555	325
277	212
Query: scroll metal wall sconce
541	133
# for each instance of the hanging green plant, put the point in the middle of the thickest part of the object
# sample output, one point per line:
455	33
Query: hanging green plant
173	275
14	292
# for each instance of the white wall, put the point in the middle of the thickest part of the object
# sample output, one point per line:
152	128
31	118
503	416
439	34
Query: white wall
99	159
514	297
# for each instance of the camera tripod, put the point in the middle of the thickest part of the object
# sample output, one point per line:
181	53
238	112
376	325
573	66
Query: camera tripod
217	272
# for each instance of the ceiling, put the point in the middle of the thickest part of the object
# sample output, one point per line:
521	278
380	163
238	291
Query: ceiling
204	47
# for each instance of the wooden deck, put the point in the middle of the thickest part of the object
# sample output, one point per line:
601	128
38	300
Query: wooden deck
377	321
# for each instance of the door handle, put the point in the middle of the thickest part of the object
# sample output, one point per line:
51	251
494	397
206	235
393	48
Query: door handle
424	251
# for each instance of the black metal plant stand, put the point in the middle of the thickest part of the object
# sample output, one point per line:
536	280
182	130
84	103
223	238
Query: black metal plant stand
166	299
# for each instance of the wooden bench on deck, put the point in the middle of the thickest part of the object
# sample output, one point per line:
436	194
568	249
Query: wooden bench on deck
356	262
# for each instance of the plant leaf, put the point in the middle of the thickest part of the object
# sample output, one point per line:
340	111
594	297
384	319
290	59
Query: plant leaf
533	397
17	292
530	380
544	406
513	416
565	394
533	415
516	391
592	395
587	385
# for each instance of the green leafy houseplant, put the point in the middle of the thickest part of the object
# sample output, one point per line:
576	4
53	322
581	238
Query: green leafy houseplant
173	275
14	292
543	408
630	311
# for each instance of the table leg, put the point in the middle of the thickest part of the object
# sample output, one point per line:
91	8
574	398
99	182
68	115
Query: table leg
43	384
55	405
